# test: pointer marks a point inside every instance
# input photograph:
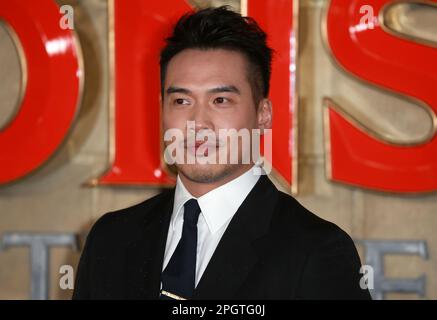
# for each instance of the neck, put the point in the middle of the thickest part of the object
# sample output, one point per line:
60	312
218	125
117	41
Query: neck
198	189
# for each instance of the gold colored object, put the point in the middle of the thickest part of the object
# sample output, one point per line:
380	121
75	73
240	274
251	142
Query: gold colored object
172	295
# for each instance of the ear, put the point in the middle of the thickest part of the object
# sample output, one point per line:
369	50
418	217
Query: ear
265	114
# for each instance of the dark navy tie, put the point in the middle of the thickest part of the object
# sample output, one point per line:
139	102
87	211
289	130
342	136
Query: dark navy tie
178	278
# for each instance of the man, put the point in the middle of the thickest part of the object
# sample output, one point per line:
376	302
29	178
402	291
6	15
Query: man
224	232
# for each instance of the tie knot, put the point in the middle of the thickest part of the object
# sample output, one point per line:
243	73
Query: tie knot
191	211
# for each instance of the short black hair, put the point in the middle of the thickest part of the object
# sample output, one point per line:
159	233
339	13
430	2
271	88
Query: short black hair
222	28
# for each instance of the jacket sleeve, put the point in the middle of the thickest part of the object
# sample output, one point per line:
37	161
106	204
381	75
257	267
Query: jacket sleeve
82	283
332	269
87	263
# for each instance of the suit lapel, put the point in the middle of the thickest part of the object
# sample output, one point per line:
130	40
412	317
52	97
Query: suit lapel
231	263
236	253
144	256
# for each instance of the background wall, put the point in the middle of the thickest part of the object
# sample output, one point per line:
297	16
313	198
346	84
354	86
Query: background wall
53	199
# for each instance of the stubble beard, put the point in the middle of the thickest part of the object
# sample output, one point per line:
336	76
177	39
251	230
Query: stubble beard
209	173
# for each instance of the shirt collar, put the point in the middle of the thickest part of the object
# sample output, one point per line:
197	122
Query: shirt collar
218	205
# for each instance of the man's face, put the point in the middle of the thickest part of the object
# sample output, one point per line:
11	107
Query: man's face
210	87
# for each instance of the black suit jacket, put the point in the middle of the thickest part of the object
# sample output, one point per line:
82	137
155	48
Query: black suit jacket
273	248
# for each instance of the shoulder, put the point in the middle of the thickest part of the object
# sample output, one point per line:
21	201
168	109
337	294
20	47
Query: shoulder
293	219
125	223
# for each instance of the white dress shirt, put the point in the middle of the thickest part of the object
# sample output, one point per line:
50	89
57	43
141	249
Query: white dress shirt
217	207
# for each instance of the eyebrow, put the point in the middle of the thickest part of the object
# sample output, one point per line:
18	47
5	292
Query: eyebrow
230	88
172	89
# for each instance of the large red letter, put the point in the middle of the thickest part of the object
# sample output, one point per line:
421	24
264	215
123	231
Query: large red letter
138	31
52	89
386	60
279	20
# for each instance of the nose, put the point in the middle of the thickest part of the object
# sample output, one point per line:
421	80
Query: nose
202	117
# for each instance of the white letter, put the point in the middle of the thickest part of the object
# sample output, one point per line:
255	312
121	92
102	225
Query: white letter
263	165
234	147
67	20
366	281
67	280
367	19
191	141
175	146
210	144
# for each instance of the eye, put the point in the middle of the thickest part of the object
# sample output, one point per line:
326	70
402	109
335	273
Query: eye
221	100
181	101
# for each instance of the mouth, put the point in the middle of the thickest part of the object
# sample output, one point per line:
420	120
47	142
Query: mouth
195	147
